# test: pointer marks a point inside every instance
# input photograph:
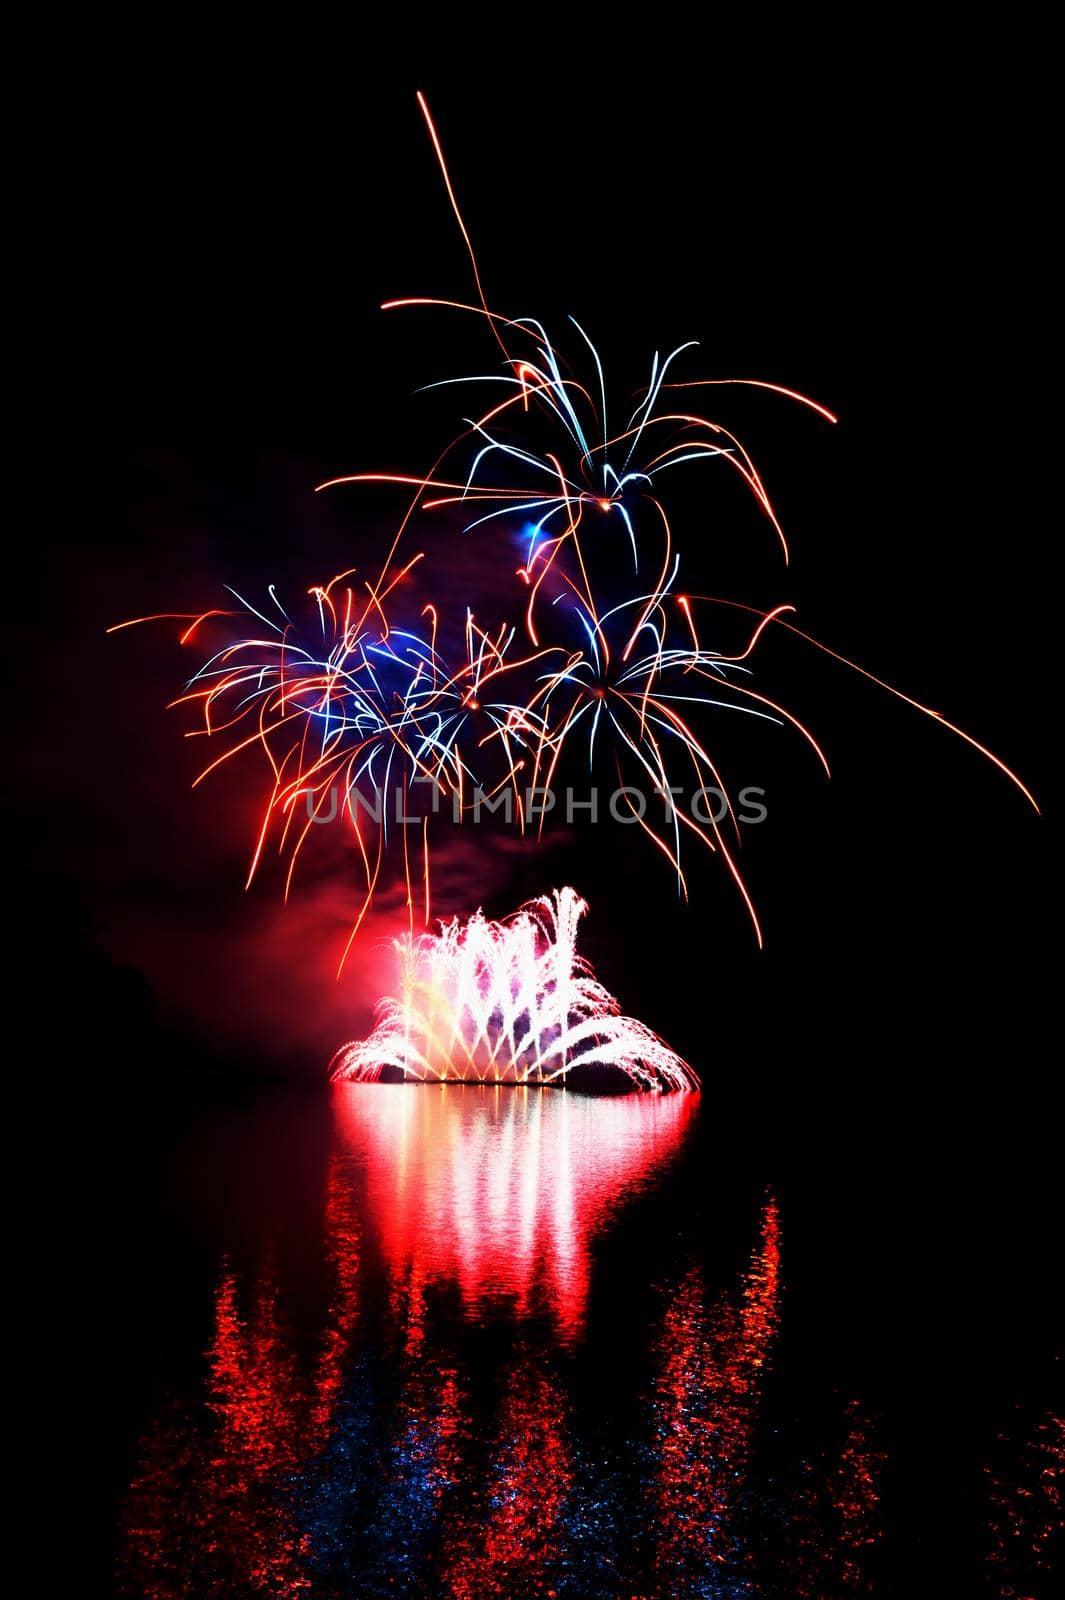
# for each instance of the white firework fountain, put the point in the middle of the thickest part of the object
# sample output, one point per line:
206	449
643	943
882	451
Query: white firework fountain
507	1002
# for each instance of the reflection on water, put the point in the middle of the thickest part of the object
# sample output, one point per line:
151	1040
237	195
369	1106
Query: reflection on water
501	1190
1026	1491
711	1365
204	1513
836	1523
502	1535
455	1411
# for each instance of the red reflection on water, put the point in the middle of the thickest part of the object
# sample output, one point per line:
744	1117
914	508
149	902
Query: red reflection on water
431	1414
501	1190
273	1413
711	1361
837	1522
255	1395
342	1251
855	1493
200	1518
1026	1484
506	1528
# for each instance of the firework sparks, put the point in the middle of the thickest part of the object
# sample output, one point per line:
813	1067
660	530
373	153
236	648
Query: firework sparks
545	456
507	1002
603	657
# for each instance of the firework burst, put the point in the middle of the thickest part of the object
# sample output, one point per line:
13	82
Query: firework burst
507	1002
605	659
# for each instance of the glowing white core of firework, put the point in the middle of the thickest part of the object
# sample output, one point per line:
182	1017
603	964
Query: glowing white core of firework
507	1002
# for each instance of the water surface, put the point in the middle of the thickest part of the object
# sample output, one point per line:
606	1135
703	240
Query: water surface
495	1341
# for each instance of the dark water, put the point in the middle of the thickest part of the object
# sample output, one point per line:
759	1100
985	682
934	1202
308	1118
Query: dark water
478	1342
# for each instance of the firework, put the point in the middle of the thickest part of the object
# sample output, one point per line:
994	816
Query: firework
507	1002
629	673
602	659
352	713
